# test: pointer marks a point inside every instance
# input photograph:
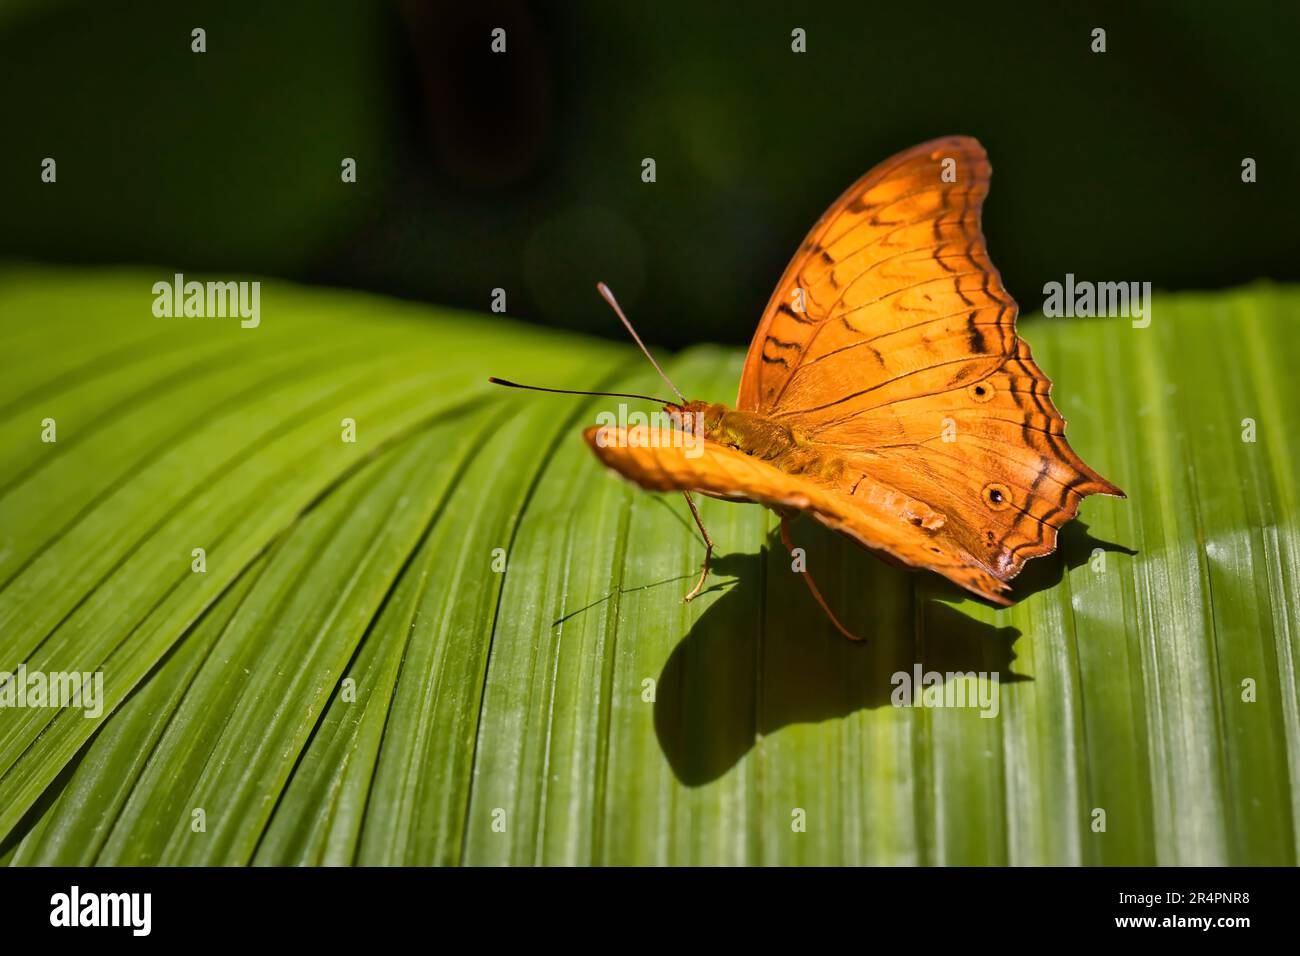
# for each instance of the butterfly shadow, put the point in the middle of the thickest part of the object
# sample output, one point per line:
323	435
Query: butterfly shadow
1075	547
763	656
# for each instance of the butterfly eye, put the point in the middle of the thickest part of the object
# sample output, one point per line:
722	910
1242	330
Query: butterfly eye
997	496
981	392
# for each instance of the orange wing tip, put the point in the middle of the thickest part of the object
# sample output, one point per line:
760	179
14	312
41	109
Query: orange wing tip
936	148
1098	485
1093	483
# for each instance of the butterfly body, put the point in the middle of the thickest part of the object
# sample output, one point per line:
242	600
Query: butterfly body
762	437
774	444
886	392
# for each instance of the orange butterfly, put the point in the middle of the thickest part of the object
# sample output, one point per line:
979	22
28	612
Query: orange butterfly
886	392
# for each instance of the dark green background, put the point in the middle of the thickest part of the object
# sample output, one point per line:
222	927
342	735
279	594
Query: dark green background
523	171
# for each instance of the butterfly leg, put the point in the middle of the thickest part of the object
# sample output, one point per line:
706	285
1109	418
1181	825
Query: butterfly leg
708	549
812	586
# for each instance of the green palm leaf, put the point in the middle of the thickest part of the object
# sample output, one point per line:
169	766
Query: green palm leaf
355	679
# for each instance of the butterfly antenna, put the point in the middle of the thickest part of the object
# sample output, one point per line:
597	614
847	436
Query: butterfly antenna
613	304
812	586
571	391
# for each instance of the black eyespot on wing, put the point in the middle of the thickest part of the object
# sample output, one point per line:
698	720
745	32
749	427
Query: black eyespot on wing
997	495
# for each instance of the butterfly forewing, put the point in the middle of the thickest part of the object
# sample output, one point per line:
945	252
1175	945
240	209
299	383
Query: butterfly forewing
898	258
891	338
727	473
